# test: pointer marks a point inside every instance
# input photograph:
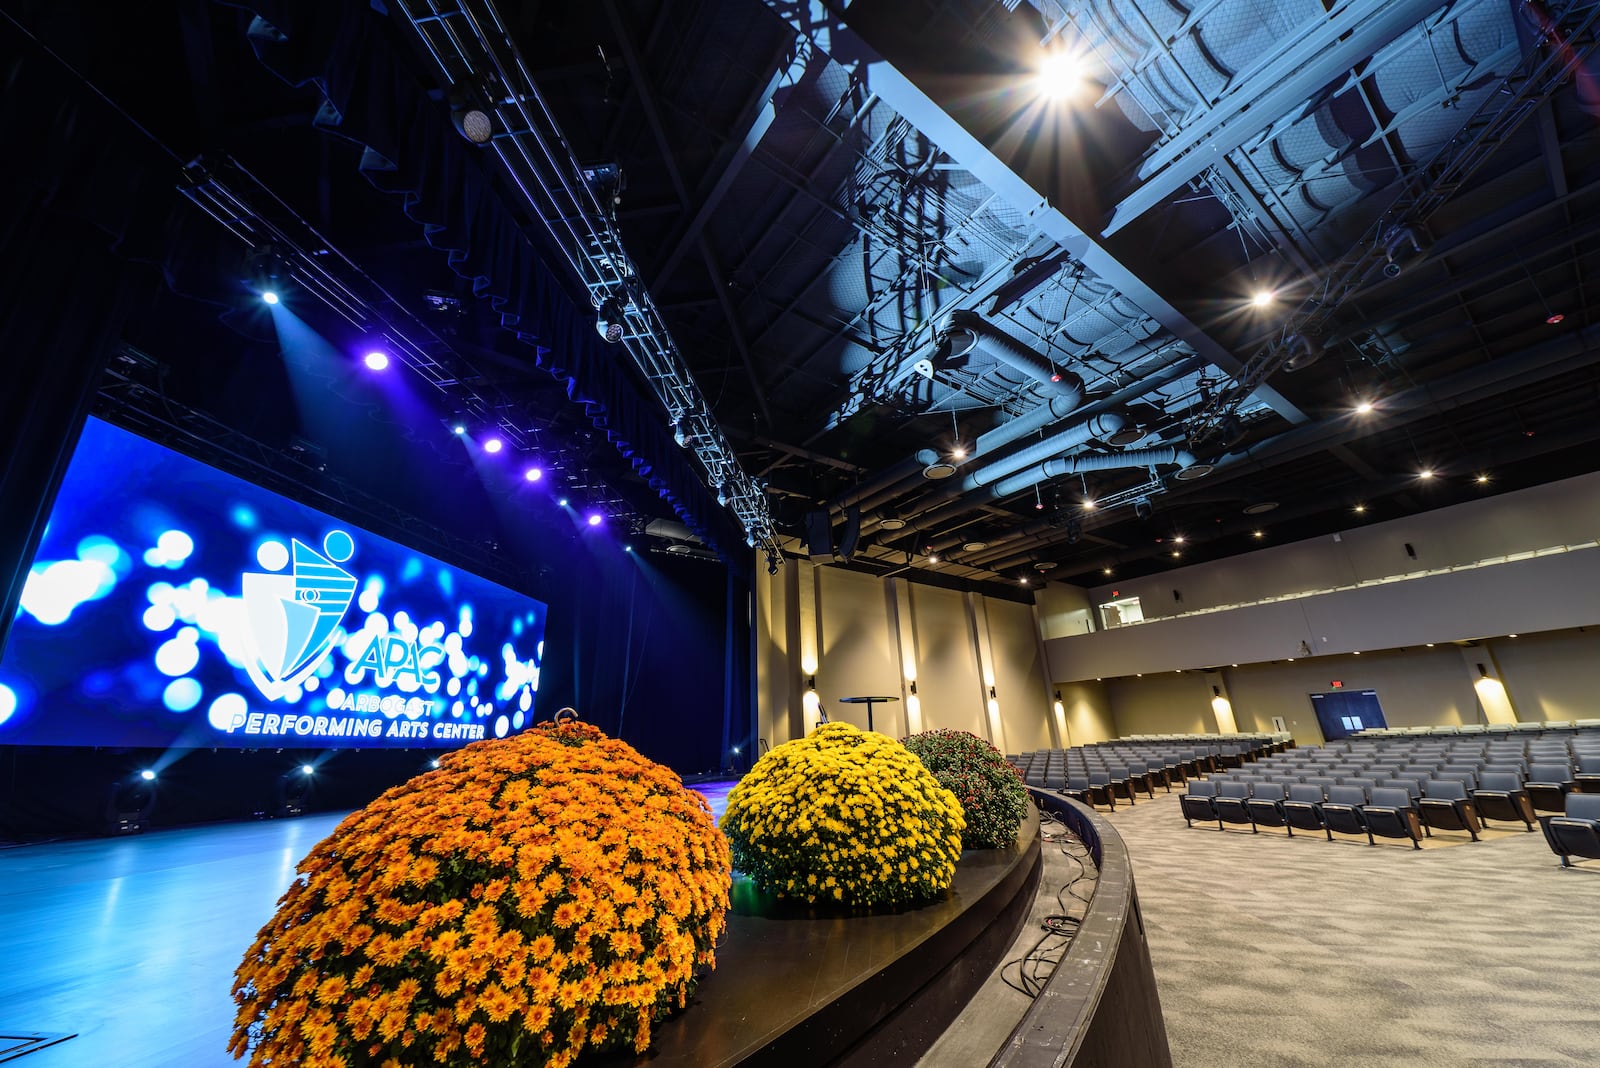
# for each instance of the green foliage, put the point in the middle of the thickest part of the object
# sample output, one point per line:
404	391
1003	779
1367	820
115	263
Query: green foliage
990	790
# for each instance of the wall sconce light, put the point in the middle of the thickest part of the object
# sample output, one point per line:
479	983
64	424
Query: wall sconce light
913	685
1216	691
1058	695
811	683
1483	672
991	693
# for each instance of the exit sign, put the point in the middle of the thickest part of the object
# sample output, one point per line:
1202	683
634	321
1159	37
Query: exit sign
1336	684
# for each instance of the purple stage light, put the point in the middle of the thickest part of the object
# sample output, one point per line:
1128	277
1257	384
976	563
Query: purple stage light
493	445
377	361
594	519
458	430
533	474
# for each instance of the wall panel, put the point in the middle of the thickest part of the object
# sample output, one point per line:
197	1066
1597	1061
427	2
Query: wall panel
1551	676
1019	676
947	663
858	655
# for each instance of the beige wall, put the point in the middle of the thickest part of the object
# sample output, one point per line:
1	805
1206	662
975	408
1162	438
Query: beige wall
1064	610
871	636
1019	676
857	655
947	662
1176	702
1550	676
1086	712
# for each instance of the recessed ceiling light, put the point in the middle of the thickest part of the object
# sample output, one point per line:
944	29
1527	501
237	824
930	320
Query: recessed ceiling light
1260	507
1262	297
1178	540
1358	652
891	524
1105	571
1060	75
1194	471
1430	645
1360	508
1426	472
1510	635
1126	436
1088	504
1023	580
1176	554
933	558
974	546
1481	479
1258	533
1045	565
1364	407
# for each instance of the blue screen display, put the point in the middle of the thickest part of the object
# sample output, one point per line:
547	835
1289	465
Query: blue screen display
171	604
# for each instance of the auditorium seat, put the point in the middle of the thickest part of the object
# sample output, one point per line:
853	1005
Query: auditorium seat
1342	810
1265	806
1500	796
1587	778
1230	802
1578	832
1548	786
1303	808
1199	803
1101	790
1391	814
1446	806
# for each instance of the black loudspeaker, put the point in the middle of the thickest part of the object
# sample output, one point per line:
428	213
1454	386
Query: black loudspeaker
1411	552
819	534
851	534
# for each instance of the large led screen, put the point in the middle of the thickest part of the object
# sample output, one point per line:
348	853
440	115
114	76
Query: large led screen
171	604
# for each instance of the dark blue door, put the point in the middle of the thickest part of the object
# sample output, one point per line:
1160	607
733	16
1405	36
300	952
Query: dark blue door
1342	713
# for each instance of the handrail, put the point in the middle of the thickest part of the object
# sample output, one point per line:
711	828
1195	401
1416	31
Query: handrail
1100	1004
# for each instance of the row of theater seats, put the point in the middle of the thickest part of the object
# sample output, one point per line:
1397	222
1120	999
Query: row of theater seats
1406	788
1104	772
1547	726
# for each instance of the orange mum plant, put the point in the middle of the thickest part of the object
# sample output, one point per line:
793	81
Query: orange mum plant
845	815
533	897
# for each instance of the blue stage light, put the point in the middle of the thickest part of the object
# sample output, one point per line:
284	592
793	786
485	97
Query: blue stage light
147	775
594	519
458	430
269	297
533	474
562	502
493	445
306	769
377	361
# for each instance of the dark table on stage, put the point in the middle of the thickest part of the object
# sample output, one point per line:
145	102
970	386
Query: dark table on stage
868	701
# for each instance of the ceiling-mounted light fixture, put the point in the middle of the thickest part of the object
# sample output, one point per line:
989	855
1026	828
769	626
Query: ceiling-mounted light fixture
610	319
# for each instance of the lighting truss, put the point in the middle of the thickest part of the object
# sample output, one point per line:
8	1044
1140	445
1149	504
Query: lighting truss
1563	42
246	208
476	57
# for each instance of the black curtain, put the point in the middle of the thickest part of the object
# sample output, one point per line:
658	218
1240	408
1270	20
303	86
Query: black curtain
84	203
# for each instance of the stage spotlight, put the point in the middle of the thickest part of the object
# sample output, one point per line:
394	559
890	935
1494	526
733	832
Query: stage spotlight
129	804
474	125
533	474
269	296
307	769
562	502
458	430
594	519
627	548
609	320
434	762
493	445
377	361
147	775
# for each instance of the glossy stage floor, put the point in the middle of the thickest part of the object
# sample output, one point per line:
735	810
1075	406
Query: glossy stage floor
130	944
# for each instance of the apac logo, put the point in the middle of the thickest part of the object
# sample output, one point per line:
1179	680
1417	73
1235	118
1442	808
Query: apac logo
292	619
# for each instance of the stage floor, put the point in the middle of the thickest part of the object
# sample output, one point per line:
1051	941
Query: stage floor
132	942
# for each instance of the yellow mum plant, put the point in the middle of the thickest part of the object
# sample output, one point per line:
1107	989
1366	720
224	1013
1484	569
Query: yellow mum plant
534	896
844	815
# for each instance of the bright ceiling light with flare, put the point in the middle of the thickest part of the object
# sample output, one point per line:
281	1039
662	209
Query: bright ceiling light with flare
1060	76
377	360
493	445
1261	298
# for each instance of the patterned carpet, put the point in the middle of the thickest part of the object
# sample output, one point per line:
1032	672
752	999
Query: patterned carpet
1283	953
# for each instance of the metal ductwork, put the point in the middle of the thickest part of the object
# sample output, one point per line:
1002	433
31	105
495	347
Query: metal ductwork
983	483
1074	465
887	485
966	330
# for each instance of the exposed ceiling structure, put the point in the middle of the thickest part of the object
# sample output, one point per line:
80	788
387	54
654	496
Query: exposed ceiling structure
1259	265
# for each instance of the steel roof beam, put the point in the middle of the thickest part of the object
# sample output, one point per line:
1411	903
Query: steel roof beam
900	92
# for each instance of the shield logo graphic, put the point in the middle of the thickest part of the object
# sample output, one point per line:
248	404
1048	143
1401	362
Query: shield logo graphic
291	619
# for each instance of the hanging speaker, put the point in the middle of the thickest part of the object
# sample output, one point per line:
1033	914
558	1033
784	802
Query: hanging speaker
851	534
819	535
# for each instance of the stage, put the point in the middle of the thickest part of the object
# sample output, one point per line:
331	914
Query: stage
131	944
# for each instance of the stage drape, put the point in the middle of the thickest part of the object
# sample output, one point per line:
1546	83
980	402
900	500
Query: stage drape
373	95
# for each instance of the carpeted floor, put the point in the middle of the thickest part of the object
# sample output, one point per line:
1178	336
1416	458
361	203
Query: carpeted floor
1277	952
